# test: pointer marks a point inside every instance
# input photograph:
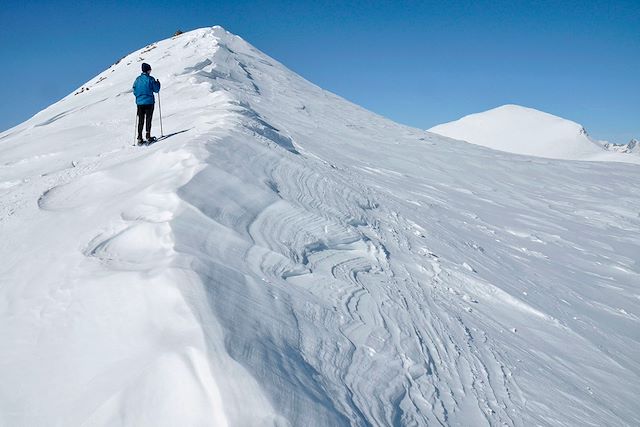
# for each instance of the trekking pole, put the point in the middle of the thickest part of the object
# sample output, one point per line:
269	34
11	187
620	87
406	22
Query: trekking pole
160	111
135	131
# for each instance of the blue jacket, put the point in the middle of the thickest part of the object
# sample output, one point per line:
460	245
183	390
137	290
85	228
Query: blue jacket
143	89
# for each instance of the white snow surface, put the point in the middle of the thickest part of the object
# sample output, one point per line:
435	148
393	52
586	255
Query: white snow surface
292	259
527	131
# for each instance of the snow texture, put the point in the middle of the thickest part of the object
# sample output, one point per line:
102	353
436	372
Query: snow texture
527	131
288	258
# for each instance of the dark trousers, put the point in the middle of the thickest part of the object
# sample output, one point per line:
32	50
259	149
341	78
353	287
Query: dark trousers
145	114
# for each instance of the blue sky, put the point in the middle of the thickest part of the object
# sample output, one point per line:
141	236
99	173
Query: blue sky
418	62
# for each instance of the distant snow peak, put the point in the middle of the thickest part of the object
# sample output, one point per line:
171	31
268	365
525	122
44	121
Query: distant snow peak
631	147
522	130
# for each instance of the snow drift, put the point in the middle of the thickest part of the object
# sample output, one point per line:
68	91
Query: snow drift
288	258
522	130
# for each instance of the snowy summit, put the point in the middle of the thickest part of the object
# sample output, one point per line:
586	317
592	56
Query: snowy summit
522	130
287	258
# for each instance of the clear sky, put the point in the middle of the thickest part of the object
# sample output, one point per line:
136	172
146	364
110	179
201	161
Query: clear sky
418	62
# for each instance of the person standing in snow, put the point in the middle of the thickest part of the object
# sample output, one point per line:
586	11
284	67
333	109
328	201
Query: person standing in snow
143	89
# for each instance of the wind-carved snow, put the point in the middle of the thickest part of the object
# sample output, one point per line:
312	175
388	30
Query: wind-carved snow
292	259
521	130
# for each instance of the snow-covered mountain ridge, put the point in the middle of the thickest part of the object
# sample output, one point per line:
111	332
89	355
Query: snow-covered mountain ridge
527	131
630	147
288	258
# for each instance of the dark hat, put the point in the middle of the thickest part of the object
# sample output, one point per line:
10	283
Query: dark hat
146	67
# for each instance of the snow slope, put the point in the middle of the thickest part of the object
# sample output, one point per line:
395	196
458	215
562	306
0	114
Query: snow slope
522	130
288	258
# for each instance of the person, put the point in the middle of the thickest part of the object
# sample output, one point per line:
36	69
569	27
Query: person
143	89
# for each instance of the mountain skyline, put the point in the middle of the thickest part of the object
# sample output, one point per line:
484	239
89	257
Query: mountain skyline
420	64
